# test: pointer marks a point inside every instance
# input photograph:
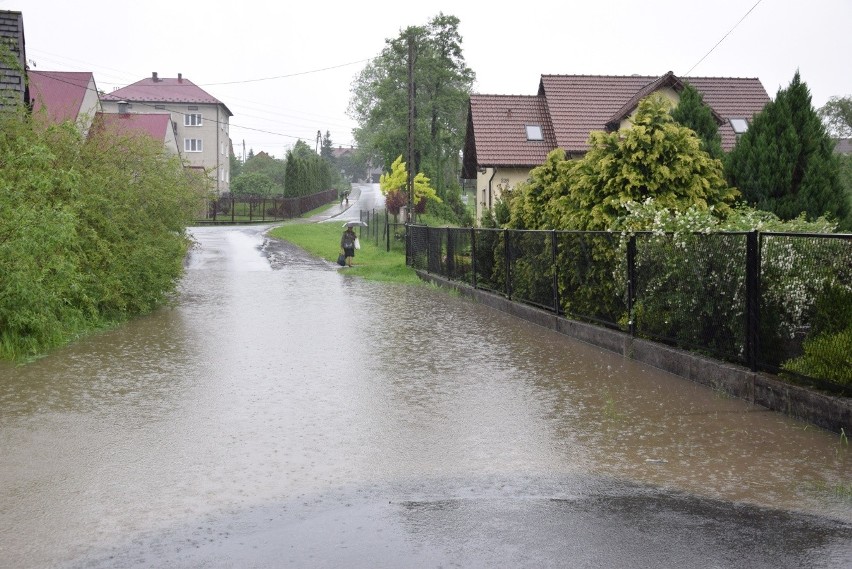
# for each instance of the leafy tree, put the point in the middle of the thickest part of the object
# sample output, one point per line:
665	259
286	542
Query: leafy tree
264	164
442	82
785	162
837	116
257	184
693	113
656	157
353	168
307	173
92	230
395	200
325	149
396	180
845	160
236	165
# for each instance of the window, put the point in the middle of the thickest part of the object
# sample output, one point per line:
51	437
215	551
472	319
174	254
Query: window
534	132
192	119
739	125
160	107
192	145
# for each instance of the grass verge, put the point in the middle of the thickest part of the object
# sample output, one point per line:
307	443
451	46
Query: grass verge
370	262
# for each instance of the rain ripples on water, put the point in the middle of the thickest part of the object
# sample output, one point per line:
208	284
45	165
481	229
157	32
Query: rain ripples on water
284	410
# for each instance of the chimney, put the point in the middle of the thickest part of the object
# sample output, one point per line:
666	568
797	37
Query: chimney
154	77
180	77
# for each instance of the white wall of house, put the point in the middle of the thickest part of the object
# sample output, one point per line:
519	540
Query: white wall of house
90	106
493	183
171	142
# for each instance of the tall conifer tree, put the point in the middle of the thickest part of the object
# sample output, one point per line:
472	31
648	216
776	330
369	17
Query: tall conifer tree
785	163
691	112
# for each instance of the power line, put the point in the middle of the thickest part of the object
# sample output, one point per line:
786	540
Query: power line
723	39
288	75
153	106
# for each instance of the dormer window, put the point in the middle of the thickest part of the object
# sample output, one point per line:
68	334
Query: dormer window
534	132
739	126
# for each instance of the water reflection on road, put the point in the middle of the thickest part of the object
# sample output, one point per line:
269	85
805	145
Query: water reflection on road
285	413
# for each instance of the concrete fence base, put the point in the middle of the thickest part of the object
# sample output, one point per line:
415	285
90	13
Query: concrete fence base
825	411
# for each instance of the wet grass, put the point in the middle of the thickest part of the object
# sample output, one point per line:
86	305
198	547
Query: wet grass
370	262
838	491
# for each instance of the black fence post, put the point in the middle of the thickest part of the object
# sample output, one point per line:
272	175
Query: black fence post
631	283
233	209
473	255
408	246
507	254
752	298
554	262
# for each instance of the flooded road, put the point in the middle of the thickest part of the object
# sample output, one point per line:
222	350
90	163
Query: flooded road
285	414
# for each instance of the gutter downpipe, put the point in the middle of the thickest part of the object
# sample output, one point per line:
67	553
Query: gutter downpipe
490	192
218	147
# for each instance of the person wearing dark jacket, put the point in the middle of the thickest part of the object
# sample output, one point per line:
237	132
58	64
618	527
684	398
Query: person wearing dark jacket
347	244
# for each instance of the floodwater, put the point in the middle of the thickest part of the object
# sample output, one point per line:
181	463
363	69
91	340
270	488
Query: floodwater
286	414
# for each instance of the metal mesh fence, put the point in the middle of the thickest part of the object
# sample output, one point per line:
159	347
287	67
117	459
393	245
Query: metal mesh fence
690	291
241	209
532	265
774	302
806	306
383	230
489	260
592	276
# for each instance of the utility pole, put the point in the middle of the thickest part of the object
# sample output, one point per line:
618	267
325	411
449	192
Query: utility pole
410	149
319	137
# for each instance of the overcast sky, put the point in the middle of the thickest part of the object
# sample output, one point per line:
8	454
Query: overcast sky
284	69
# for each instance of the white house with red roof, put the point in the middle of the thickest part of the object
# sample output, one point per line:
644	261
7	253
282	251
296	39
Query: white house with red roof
509	135
65	96
201	120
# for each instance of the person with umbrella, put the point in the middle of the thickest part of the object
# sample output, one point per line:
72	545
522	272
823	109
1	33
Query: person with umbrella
347	242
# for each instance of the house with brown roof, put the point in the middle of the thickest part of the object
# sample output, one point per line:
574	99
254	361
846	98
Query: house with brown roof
201	120
65	96
13	84
509	135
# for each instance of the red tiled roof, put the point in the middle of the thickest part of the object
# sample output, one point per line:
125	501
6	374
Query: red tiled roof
498	123
155	125
731	98
61	93
570	107
164	90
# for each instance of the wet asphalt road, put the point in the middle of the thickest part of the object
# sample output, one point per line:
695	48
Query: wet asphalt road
285	414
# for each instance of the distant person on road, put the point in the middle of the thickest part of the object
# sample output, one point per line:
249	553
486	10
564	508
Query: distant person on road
347	244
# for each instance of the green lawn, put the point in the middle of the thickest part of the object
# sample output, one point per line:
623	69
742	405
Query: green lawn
370	262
